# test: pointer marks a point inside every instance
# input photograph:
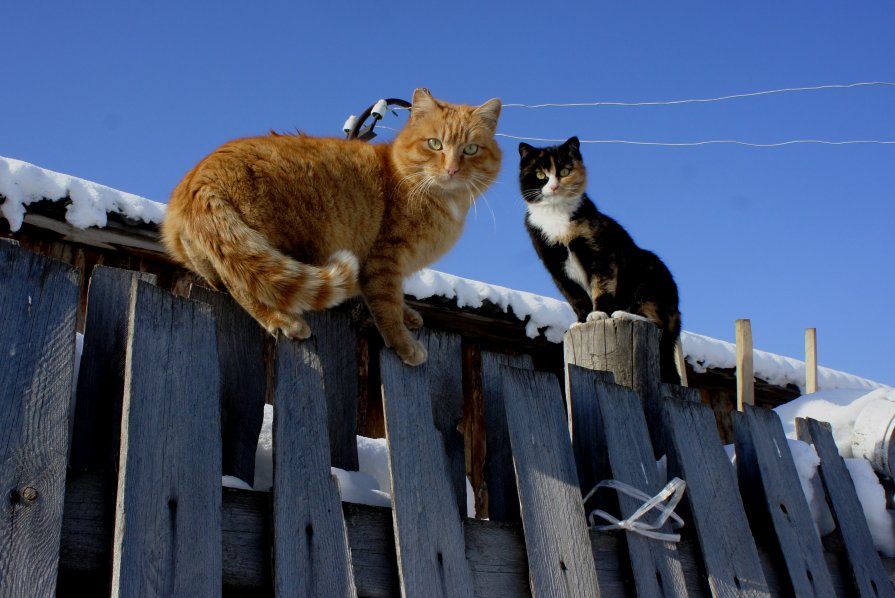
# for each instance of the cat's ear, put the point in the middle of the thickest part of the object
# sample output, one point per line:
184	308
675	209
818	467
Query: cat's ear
573	146
525	149
423	103
489	112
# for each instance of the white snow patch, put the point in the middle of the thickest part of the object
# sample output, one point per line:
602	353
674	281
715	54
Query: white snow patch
22	183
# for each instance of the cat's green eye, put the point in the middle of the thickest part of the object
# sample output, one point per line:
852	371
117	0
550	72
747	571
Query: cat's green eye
541	176
435	144
471	149
564	172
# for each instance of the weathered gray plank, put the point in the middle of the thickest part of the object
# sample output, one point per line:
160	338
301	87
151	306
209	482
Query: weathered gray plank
503	500
311	555
770	487
630	350
616	427
868	576
97	417
337	349
243	388
246	535
168	511
685	393
560	559
585	426
38	307
444	371
428	530
695	455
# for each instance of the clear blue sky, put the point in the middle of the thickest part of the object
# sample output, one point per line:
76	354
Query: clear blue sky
132	94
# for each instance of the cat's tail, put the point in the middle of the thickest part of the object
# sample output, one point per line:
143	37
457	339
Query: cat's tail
668	342
218	244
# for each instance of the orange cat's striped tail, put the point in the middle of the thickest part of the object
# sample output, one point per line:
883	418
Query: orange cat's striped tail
271	286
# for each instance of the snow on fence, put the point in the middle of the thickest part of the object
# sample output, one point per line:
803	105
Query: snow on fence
170	395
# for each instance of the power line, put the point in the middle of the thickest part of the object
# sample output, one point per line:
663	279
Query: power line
710	142
696	143
706	100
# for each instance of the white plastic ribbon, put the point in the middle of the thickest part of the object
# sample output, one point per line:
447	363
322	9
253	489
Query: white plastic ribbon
672	492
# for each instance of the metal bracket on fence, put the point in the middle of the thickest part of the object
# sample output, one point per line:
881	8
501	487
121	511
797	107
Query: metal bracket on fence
672	492
354	127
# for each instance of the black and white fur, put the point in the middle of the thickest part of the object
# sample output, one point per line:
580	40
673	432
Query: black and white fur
592	258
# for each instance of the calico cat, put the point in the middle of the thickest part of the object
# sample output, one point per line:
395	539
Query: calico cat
291	223
592	259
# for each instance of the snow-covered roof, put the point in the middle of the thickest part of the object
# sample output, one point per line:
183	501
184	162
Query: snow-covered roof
22	183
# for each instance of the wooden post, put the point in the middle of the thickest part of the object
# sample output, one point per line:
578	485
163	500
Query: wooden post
810	360
627	348
681	362
745	376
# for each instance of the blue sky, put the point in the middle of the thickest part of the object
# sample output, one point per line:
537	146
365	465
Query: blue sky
132	94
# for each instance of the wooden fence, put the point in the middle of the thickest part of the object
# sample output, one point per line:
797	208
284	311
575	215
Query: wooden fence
118	488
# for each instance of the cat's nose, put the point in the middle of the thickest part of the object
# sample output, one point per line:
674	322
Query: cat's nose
451	170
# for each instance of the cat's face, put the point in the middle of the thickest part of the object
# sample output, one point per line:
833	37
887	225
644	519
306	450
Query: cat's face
552	175
449	146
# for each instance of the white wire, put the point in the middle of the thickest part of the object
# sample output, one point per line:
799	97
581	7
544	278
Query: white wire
709	142
706	100
696	143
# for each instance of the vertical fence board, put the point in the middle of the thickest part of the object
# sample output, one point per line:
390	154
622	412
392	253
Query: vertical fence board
428	531
38	309
243	387
770	487
337	349
868	576
445	375
560	558
168	511
616	426
503	500
585	425
696	456
311	555
97	420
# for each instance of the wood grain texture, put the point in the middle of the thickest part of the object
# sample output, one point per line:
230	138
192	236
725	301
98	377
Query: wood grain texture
337	349
774	499
168	510
97	418
428	530
586	427
560	559
503	499
627	348
246	538
445	376
617	427
311	555
868	577
38	309
695	455
243	387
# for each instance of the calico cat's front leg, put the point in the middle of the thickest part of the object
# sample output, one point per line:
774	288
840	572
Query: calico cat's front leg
381	286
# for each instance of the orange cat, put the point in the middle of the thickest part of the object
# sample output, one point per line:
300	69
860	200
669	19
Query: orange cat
288	223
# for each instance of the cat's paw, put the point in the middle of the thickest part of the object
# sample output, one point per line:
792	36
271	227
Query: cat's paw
596	316
412	318
626	315
413	353
296	328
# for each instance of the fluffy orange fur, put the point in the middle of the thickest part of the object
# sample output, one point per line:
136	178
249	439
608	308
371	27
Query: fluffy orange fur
289	224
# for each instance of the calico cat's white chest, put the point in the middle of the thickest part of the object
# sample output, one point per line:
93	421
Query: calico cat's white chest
551	220
575	271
